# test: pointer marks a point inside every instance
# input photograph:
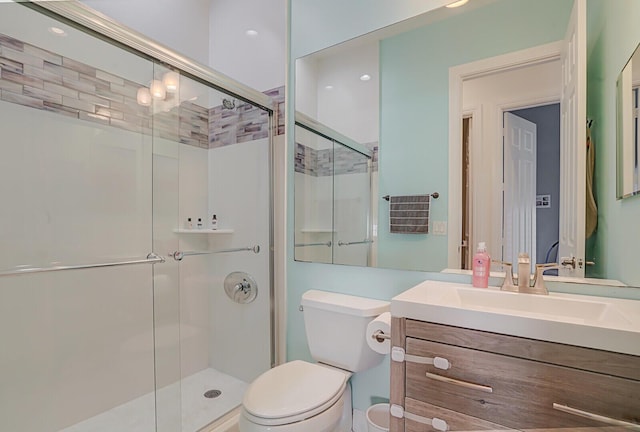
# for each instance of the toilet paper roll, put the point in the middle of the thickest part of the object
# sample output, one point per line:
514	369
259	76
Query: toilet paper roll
381	324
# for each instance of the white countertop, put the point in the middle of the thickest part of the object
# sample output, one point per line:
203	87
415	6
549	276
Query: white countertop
594	322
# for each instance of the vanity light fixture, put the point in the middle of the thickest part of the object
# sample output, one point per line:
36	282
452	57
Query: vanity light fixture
458	3
171	81
57	31
365	77
144	96
251	33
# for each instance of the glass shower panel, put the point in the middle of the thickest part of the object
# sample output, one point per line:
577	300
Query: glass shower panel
76	161
224	171
351	207
117	295
313	188
164	121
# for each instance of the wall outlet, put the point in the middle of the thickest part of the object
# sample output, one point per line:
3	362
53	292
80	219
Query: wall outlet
439	228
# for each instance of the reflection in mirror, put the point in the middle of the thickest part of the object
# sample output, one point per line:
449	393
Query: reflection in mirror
628	140
408	120
351	207
407	113
515	113
313	188
332	186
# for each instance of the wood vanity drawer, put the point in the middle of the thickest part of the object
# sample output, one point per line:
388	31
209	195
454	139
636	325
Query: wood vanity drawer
516	392
605	362
455	421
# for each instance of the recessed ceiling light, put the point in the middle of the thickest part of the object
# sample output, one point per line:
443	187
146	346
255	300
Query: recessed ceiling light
329	87
457	3
57	31
251	33
365	77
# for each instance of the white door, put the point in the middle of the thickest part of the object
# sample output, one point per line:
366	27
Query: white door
519	188
573	142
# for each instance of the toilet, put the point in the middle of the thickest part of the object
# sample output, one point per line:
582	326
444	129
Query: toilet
299	396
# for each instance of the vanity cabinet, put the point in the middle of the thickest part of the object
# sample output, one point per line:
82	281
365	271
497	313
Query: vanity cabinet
476	380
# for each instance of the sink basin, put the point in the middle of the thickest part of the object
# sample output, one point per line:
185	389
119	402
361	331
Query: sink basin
553	306
602	323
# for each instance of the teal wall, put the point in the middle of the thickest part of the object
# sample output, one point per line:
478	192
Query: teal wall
414	101
614	33
427	117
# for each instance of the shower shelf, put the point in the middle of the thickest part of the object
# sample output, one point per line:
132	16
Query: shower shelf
317	230
204	231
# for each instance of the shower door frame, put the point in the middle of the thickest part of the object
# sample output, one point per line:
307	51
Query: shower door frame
80	15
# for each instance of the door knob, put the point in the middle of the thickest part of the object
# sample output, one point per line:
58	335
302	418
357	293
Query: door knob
568	262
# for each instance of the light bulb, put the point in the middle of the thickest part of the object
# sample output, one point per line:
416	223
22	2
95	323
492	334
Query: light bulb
144	96
157	89
171	81
57	31
458	3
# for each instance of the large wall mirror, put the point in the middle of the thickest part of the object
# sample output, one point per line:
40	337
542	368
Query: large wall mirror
628	132
467	103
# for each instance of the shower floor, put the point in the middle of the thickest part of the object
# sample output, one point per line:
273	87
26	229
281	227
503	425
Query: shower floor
138	415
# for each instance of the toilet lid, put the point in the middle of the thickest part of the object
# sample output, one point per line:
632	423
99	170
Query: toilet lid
293	389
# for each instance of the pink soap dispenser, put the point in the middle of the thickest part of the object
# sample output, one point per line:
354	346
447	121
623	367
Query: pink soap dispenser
481	265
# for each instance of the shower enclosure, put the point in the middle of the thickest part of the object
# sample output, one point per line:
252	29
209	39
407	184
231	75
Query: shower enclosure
115	153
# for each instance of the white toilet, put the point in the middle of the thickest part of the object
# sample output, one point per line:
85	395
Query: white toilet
316	397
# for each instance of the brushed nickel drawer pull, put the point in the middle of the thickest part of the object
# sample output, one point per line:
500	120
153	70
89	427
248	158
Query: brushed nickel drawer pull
466	384
596	417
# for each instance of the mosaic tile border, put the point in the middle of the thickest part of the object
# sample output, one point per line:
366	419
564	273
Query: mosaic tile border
40	79
320	163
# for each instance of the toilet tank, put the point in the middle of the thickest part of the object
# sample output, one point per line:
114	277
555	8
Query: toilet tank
336	325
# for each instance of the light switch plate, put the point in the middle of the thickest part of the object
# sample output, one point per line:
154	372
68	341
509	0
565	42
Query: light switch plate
543	201
439	228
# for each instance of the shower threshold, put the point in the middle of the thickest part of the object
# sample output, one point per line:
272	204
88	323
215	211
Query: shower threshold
197	411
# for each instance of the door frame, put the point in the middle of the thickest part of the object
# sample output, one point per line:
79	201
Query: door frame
457	75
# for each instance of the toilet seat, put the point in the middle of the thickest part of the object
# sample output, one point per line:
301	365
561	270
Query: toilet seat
292	392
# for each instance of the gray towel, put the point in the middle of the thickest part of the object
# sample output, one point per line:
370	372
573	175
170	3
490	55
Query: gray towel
409	214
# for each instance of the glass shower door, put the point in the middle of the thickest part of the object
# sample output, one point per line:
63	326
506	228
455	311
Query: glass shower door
76	191
314	194
351	206
115	309
225	331
164	123
78	299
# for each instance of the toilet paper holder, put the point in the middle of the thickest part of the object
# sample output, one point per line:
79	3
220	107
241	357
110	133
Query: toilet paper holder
380	336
